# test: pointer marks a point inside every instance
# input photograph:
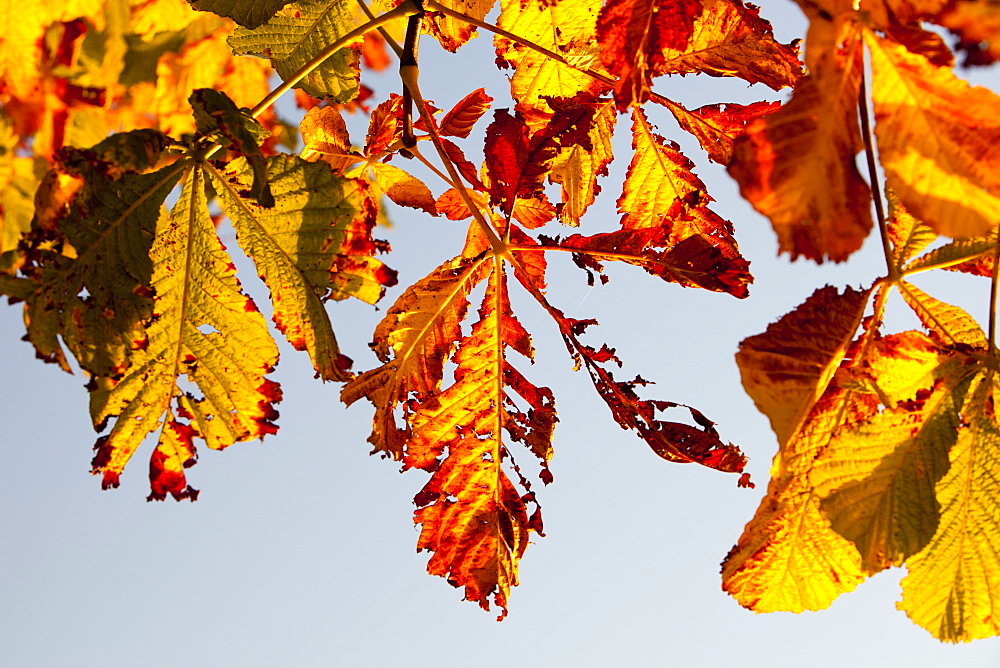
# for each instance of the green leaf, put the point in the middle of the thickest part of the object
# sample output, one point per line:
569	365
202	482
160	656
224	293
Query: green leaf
204	327
248	13
298	33
314	244
89	257
214	111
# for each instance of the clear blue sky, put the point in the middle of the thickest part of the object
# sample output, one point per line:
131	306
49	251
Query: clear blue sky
300	550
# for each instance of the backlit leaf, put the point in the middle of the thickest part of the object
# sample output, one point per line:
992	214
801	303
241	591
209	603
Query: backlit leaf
938	139
662	193
951	585
566	27
453	33
797	167
729	38
414	340
717	126
248	13
473	517
786	369
877	478
297	33
634	33
205	328
89	260
788	557
314	244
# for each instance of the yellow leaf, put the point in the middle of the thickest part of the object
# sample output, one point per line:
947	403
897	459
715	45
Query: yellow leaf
947	322
908	235
788	558
324	134
21	29
951	589
877	478
402	187
204	327
577	169
566	27
938	140
314	244
295	35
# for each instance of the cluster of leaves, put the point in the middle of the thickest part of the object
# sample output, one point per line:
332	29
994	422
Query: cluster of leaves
889	443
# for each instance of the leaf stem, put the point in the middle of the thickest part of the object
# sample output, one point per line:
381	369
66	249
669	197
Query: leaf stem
883	228
393	44
994	280
410	74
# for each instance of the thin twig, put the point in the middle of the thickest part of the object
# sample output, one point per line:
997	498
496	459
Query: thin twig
866	134
393	44
995	279
406	8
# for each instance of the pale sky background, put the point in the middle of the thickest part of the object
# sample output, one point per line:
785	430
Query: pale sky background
300	550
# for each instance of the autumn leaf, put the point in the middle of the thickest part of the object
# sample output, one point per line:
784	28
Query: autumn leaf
518	160
463	116
324	134
949	585
717	126
473	517
214	111
788	557
297	33
877	478
314	244
664	202
453	33
565	27
634	33
88	257
797	165
414	340
937	140
728	38
248	13
204	327
577	167
977	24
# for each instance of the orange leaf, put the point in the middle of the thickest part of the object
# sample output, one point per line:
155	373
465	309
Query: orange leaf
797	165
474	518
414	340
402	187
938	140
463	116
324	134
729	38
453	33
632	35
717	126
977	24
